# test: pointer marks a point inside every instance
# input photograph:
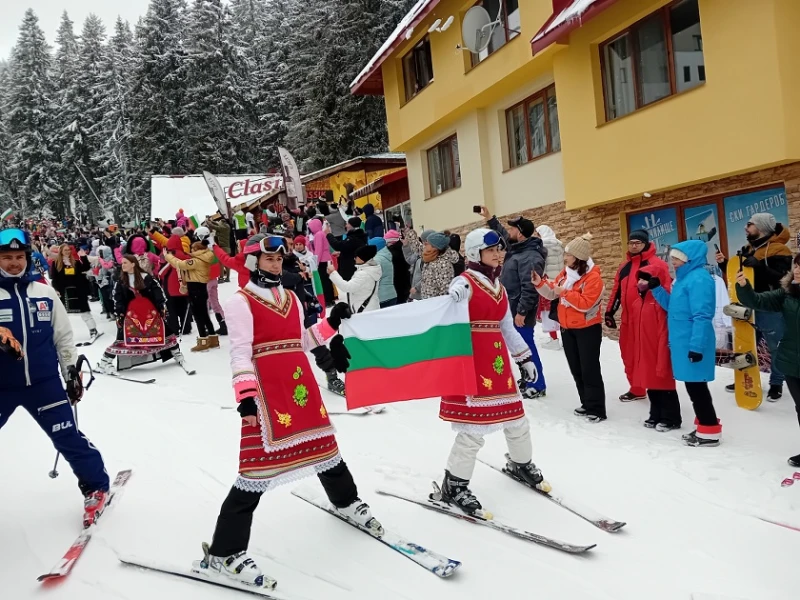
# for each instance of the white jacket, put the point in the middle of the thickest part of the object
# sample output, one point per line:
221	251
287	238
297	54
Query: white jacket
555	251
363	285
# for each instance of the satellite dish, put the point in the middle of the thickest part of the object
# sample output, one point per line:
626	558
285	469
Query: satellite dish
447	23
476	29
435	26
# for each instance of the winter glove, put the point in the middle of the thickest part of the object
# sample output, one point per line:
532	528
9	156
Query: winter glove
341	357
74	385
652	281
459	292
323	358
247	408
695	357
340	311
750	261
610	322
528	371
9	344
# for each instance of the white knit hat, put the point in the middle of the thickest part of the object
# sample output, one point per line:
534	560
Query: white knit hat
681	256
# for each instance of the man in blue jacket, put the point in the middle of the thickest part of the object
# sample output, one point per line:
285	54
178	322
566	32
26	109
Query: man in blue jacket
35	337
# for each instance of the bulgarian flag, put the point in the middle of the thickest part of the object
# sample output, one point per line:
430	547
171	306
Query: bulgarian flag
316	282
194	222
408	352
7	214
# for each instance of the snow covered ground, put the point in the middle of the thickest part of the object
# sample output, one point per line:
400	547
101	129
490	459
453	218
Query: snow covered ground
694	515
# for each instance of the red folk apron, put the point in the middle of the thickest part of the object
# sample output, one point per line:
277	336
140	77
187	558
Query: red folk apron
294	437
498	400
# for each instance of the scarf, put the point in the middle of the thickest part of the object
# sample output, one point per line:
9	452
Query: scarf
429	254
265	280
573	277
491	273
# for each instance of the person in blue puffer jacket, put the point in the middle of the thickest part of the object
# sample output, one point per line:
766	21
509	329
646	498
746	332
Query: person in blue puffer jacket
35	338
690	313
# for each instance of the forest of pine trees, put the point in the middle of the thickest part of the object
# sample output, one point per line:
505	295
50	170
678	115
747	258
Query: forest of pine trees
194	85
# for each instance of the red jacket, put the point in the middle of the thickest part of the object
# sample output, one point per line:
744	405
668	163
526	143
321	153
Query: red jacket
235	263
643	337
175	244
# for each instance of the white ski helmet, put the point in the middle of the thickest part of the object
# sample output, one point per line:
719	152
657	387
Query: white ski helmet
202	233
480	239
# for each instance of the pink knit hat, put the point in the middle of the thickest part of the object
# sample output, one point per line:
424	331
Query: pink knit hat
391	236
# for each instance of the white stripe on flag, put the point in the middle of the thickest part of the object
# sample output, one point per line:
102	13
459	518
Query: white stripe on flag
405	319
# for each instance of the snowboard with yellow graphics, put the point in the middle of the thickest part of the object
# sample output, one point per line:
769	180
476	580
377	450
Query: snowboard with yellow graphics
747	380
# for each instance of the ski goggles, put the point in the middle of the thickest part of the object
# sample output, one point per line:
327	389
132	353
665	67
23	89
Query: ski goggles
271	244
14	237
492	239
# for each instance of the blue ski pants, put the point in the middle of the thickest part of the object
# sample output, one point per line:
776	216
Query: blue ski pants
527	335
47	403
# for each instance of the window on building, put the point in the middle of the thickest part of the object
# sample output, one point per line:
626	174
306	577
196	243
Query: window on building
533	129
640	64
507	12
417	68
444	170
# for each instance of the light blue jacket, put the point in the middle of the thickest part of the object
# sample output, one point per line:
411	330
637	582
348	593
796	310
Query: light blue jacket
690	314
386	289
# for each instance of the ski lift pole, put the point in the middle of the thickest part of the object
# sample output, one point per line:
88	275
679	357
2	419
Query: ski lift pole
91	189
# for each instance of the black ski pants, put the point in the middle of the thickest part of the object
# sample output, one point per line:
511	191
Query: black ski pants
582	349
179	317
702	403
235	520
198	299
327	285
793	383
665	407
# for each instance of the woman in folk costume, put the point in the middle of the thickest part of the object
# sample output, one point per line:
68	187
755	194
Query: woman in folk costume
498	403
68	274
286	432
142	333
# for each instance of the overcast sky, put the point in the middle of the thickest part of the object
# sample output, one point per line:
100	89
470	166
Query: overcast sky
49	13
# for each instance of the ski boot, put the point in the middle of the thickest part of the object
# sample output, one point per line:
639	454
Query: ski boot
238	567
694	440
359	513
529	393
335	384
106	365
529	474
456	491
94	503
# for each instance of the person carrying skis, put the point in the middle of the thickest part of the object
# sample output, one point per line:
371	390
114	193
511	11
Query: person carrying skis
786	301
35	339
690	307
286	433
498	404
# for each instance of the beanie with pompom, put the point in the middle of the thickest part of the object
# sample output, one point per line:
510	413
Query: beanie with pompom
580	247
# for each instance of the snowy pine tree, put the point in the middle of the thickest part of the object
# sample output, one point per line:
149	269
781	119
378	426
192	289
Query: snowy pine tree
115	151
7	188
158	94
30	120
216	113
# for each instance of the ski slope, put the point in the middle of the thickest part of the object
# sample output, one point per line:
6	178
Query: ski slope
695	528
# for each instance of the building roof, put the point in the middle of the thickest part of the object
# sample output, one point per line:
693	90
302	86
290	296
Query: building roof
569	18
370	81
374	186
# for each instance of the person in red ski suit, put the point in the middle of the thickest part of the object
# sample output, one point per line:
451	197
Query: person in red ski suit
638	329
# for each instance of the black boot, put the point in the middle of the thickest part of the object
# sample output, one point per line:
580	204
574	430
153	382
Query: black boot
456	491
335	384
223	328
794	461
527	473
775	393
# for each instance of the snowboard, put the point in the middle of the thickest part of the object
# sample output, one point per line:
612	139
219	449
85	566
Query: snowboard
748	380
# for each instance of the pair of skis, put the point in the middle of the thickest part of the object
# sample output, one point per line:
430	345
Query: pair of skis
436	504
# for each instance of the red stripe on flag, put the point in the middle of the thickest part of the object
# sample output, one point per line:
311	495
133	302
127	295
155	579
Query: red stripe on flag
444	377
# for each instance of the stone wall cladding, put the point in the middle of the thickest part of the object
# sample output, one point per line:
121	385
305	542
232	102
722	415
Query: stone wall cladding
604	221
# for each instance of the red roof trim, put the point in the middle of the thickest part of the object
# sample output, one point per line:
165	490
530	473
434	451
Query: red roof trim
543	40
370	81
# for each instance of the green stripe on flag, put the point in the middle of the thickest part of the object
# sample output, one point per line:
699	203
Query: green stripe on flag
392	353
194	223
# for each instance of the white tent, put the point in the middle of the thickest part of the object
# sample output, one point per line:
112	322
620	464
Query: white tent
170	193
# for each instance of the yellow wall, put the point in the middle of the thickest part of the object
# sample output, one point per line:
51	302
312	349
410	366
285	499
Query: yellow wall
358	178
735	122
455	90
485	177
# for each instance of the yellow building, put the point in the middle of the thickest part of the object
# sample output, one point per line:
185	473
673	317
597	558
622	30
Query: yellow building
679	116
